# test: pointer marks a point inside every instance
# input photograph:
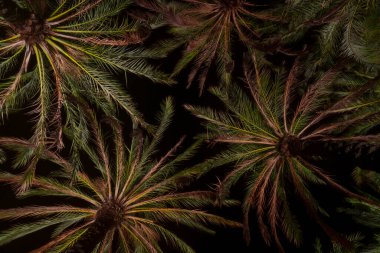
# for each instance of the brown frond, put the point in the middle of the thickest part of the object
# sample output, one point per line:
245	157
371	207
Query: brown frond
312	93
274	208
258	193
341	104
289	87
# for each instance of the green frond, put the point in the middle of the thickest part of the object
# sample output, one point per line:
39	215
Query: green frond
69	241
99	15
172	239
64	226
367	178
360	35
164	118
10	62
21	230
307	174
290	226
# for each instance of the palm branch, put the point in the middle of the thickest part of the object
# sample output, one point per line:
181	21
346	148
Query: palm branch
128	207
267	132
68	47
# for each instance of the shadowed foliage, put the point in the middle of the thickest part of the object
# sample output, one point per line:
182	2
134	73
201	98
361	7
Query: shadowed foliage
127	207
365	214
210	30
267	132
347	26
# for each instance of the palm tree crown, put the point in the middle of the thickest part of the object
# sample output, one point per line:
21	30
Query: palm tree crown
69	50
208	28
267	139
127	207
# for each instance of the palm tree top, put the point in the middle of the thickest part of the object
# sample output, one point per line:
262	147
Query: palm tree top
69	47
133	200
267	132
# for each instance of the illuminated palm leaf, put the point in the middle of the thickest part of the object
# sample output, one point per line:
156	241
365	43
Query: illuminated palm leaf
72	49
129	205
267	132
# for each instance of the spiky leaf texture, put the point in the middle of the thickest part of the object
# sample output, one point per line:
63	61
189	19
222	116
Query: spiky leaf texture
266	132
347	26
211	29
68	47
363	213
337	248
131	202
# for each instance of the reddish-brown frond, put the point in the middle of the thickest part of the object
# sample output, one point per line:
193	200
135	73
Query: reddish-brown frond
313	92
291	80
258	193
324	130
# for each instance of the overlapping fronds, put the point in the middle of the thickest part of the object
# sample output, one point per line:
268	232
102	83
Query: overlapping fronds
347	26
267	132
129	205
68	47
365	214
210	30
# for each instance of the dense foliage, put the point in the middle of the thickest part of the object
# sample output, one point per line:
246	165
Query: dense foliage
279	102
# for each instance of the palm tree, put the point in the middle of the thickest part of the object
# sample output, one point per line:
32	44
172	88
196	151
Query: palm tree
67	47
127	208
207	29
337	248
268	131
